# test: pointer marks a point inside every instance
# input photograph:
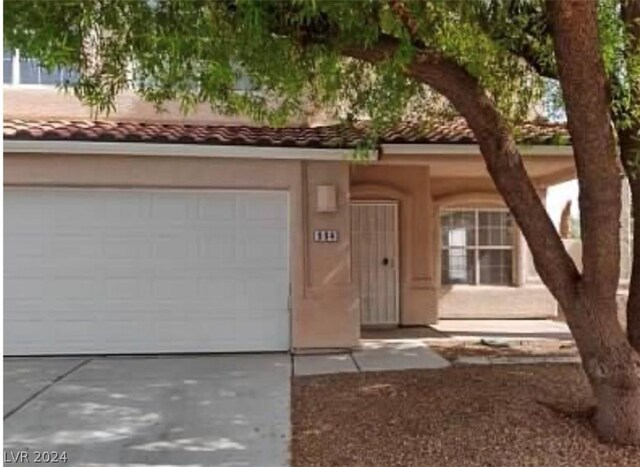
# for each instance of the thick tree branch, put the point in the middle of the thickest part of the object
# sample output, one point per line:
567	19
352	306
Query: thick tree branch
522	45
610	362
633	302
629	141
526	52
586	95
500	153
409	23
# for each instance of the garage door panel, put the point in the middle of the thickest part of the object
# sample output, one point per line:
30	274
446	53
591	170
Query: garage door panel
119	207
260	206
23	287
263	246
220	245
111	271
168	207
72	245
258	291
123	288
24	245
173	247
130	247
223	210
223	289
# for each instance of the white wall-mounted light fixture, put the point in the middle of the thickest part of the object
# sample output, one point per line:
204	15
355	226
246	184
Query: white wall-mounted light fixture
326	198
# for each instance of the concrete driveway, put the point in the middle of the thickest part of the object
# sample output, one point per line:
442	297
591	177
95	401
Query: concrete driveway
192	410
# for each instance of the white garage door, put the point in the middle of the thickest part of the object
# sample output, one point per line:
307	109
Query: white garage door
124	271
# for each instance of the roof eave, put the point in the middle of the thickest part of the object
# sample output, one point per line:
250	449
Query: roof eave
181	150
470	149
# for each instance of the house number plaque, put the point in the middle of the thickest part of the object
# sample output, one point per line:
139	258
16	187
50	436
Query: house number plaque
325	236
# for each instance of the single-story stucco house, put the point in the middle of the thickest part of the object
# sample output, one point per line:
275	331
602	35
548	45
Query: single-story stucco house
133	237
162	232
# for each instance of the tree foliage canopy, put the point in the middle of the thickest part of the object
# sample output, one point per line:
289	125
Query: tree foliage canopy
194	51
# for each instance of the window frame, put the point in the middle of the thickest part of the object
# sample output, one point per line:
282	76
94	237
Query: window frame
15	67
477	248
16	75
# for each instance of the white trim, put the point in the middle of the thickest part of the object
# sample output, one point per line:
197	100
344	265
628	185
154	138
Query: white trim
477	248
178	150
255	152
471	149
42	188
15	68
16	81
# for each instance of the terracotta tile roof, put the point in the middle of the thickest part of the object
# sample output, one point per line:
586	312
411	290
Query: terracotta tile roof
335	136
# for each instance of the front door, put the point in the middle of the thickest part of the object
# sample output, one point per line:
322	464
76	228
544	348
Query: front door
375	261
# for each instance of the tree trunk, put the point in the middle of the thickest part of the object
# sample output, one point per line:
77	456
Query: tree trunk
633	303
611	364
612	367
629	142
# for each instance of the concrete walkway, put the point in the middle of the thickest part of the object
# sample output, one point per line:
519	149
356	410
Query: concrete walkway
192	410
408	348
373	355
503	329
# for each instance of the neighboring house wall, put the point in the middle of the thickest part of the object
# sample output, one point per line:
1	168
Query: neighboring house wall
49	103
325	311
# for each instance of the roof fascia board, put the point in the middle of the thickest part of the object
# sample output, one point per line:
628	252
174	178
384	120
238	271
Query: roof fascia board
180	150
471	149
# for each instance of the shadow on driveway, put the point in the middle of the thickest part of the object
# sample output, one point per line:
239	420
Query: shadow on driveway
225	410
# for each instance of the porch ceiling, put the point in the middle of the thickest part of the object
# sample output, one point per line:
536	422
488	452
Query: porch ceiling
544	168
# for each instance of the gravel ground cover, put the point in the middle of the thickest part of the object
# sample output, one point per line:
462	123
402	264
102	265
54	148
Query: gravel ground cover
451	349
526	415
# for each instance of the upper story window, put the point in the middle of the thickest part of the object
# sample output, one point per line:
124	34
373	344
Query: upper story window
19	70
477	247
7	67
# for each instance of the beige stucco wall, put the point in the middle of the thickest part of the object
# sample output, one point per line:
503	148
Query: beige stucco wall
410	187
324	313
480	302
51	103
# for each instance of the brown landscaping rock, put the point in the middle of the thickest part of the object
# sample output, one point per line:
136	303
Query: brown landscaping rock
529	415
452	349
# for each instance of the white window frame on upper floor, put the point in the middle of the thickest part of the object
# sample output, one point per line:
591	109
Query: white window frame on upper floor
15	75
